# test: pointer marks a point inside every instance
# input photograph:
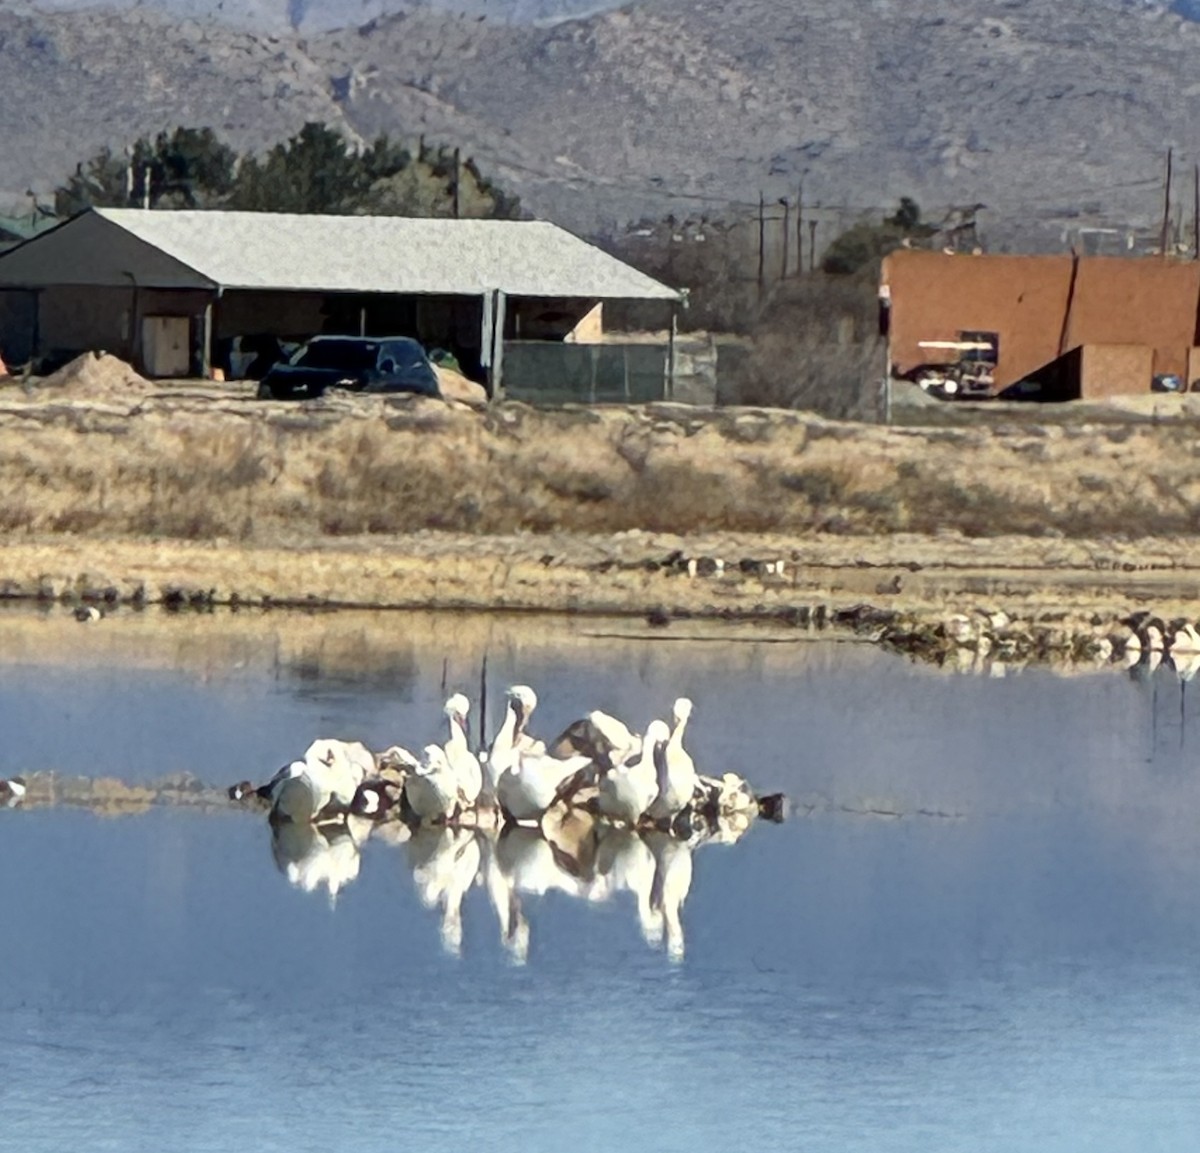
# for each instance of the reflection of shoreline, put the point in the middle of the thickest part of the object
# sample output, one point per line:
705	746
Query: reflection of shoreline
350	643
303	646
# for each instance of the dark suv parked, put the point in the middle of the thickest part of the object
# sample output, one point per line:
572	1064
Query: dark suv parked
358	363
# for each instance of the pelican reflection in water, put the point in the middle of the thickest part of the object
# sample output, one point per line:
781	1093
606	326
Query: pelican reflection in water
516	867
445	863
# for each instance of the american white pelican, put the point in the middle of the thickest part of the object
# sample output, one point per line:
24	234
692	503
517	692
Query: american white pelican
608	741
12	792
533	782
432	788
292	794
465	763
628	790
335	769
512	738
676	773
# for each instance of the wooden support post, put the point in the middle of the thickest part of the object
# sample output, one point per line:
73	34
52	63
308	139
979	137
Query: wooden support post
498	313
206	337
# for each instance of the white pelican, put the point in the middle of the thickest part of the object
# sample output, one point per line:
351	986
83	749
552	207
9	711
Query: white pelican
512	738
465	763
445	862
533	782
628	790
12	792
604	738
335	769
432	788
676	773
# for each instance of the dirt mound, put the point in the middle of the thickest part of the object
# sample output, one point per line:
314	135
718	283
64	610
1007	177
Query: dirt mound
454	386
96	374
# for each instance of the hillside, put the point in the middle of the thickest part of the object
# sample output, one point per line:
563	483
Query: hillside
1033	108
73	82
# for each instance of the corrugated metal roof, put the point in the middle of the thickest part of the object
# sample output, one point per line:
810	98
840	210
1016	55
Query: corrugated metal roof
395	254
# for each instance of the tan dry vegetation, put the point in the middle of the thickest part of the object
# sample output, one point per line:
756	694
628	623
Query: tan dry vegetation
407	502
227	467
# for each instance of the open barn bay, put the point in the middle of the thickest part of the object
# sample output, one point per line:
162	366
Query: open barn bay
978	925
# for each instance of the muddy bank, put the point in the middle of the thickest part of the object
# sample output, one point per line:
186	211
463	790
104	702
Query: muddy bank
947	599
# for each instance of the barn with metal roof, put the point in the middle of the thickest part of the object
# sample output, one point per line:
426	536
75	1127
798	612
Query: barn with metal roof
172	291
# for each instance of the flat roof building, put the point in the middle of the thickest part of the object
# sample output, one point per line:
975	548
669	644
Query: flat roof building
1082	325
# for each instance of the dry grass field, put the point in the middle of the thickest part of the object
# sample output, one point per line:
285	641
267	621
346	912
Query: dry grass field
127	491
220	465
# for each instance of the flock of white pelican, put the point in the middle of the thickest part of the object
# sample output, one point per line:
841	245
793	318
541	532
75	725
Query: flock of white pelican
597	811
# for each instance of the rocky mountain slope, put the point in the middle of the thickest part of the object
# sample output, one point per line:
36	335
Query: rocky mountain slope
322	15
1040	109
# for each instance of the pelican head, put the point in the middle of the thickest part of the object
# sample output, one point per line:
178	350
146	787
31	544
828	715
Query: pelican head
523	700
457	708
681	710
656	733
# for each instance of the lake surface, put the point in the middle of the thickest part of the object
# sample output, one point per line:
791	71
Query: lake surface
1010	963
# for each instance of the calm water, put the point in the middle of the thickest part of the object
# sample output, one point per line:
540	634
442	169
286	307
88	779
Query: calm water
1011	964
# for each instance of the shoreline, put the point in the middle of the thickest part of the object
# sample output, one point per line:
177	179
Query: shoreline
931	597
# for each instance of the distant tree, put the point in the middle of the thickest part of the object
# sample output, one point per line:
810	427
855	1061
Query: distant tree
318	170
315	171
866	241
101	182
187	168
191	168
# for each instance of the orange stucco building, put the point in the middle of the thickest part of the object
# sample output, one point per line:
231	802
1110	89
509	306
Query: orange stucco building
1098	325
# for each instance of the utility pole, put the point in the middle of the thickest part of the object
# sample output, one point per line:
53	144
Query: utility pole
1196	213
762	241
787	234
812	246
1166	224
800	229
457	171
